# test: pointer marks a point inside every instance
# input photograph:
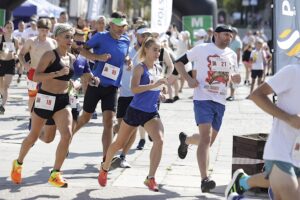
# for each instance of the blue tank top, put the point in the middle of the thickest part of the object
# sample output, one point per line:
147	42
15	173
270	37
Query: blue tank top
147	101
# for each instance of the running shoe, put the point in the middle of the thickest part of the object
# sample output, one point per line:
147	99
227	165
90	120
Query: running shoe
115	163
57	180
141	144
124	163
234	185
102	177
2	110
175	98
151	184
183	147
94	115
270	193
207	184
16	172
235	196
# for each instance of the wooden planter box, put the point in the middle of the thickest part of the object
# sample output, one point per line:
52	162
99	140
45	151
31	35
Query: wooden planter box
247	152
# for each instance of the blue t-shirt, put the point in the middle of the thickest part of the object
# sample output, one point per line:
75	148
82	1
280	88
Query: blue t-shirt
102	43
147	101
81	66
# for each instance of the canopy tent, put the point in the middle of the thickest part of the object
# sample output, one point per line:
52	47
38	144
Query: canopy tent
40	8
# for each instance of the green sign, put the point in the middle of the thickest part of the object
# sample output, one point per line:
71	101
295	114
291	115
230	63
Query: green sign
2	17
193	23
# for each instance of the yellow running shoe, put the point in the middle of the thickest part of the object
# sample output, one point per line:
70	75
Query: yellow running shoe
16	171
57	180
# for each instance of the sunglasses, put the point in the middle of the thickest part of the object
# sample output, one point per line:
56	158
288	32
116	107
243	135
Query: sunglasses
79	43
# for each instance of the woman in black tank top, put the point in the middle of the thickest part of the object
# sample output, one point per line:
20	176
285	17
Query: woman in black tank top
52	101
8	49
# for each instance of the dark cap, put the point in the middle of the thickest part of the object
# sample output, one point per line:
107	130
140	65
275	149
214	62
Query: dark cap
223	28
220	29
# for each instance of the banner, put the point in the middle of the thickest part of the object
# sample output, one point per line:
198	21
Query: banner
286	33
96	8
2	17
161	14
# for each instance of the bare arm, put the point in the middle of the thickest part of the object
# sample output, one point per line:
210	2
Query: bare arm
192	82
92	56
25	49
169	63
260	98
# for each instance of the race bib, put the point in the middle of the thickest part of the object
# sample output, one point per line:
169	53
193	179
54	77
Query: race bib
45	102
220	65
31	85
73	101
9	47
110	71
296	150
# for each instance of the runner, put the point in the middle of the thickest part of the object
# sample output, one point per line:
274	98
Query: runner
215	64
36	47
8	49
54	72
110	50
143	110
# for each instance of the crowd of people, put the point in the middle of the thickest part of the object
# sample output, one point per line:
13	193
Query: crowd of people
131	71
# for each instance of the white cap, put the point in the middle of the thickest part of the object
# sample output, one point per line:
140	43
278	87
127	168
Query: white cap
201	33
143	30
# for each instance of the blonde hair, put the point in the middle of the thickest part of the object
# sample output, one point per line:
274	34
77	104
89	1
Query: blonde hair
146	44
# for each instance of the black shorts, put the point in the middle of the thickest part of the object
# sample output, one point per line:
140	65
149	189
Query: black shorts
257	73
134	117
175	72
107	95
7	67
61	102
123	103
75	114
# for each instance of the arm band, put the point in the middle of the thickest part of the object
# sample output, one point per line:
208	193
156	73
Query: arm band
183	59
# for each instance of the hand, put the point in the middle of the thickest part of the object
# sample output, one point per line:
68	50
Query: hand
64	71
162	97
193	83
236	78
104	57
161	82
129	64
94	81
294	121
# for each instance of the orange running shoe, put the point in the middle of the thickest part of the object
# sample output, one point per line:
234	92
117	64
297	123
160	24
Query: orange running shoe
151	184
16	172
57	180
102	177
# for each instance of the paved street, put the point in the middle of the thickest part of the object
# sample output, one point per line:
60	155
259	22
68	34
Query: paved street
178	179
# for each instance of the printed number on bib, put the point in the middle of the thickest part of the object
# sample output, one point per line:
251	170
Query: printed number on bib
73	101
31	85
9	47
110	71
220	65
296	150
45	102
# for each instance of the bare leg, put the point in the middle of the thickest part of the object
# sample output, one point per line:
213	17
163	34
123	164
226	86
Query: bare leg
107	129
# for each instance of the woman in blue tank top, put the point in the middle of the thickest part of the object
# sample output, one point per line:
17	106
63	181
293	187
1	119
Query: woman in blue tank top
143	110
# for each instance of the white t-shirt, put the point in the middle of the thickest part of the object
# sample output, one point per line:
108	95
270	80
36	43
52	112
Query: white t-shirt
213	68
125	89
258	59
28	33
282	137
17	34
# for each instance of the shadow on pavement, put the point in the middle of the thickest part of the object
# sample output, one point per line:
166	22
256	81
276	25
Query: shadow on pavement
44	197
40	177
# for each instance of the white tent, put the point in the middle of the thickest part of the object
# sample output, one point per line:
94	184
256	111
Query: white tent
43	8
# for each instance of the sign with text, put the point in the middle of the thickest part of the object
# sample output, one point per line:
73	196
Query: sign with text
287	33
161	14
193	23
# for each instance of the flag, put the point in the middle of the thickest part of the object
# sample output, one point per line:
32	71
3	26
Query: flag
286	33
161	14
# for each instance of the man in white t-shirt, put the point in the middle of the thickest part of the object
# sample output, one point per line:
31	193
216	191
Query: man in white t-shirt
215	65
282	150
